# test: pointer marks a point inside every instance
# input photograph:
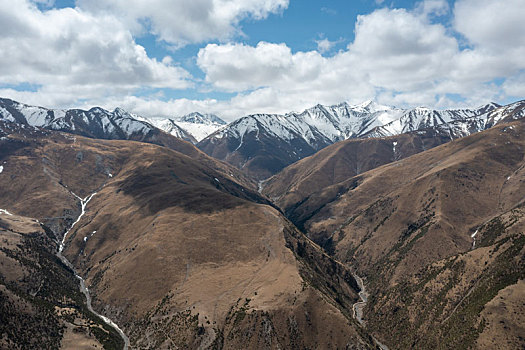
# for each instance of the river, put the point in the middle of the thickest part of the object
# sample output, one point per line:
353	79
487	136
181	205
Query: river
83	288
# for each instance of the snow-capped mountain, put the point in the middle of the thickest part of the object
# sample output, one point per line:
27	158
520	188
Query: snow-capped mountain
200	125
506	113
263	143
96	122
195	124
459	122
169	126
200	118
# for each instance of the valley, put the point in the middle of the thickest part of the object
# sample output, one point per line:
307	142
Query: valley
262	175
412	239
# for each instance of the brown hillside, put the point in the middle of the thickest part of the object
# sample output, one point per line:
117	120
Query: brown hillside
179	254
41	306
341	161
407	227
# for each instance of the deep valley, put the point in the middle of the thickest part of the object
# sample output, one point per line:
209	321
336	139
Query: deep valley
407	239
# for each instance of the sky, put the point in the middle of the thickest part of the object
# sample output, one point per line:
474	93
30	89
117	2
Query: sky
238	57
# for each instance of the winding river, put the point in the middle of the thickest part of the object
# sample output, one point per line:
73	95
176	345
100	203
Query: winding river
83	288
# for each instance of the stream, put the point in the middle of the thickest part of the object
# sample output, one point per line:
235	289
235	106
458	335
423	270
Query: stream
359	307
83	288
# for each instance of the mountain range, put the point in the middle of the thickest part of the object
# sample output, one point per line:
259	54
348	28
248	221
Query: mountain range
395	229
116	125
263	144
437	236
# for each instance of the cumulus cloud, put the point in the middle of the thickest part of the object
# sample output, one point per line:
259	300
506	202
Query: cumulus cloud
68	50
492	25
179	22
400	50
324	45
239	67
515	86
398	56
404	57
393	50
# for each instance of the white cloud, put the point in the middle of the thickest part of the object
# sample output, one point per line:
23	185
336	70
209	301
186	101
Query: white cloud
67	51
239	67
398	56
394	50
403	57
494	25
401	50
179	22
324	45
515	86
433	7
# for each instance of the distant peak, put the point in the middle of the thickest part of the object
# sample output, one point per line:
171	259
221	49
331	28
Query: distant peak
97	110
366	104
200	118
120	111
371	107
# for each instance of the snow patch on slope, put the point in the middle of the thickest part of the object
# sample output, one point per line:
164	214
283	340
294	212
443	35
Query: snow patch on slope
3	211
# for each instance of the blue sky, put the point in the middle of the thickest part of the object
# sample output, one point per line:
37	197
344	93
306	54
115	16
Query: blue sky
234	57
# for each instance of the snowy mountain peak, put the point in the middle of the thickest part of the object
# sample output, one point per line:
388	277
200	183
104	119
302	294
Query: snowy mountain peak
121	112
200	118
370	107
95	122
487	108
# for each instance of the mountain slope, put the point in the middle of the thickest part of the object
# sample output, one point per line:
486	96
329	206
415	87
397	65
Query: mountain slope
263	144
177	252
338	162
341	161
40	303
410	226
101	124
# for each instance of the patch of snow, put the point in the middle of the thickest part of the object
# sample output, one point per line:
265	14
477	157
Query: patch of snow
1	168
3	211
199	131
83	204
4	114
473	236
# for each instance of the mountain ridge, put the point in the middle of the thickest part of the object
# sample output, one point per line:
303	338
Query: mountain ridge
196	124
263	144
